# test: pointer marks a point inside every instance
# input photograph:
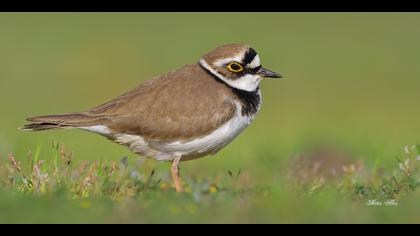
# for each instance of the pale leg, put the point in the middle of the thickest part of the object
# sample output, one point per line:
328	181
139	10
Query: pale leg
175	174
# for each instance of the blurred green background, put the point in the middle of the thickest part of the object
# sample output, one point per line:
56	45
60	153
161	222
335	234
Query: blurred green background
351	79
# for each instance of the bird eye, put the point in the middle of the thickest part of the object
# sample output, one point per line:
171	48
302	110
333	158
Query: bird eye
235	67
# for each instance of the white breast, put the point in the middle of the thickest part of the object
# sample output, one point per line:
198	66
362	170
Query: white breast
199	147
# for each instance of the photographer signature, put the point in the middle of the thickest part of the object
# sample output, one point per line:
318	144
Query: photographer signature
375	202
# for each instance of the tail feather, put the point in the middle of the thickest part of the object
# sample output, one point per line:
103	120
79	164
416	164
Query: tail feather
40	126
72	120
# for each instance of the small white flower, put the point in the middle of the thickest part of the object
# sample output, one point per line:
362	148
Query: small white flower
407	163
401	167
134	174
406	149
405	166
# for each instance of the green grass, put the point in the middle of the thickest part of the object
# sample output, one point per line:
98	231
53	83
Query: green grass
328	138
103	191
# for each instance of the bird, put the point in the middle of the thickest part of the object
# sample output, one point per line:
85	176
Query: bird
185	114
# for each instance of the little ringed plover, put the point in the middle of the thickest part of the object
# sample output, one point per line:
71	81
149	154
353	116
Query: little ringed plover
185	114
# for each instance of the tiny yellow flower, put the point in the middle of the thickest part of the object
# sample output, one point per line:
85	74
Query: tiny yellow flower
213	189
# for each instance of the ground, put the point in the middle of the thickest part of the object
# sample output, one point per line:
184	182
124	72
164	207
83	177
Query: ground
316	190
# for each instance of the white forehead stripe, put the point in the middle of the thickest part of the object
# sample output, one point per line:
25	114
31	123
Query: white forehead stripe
255	62
238	58
224	61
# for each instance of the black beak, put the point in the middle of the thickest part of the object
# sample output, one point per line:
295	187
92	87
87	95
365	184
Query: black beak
268	73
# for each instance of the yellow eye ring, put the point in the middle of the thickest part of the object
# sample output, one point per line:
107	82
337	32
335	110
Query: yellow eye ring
235	67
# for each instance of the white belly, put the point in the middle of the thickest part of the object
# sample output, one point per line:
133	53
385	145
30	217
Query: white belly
210	144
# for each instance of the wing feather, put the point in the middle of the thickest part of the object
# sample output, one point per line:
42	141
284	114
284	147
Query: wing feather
186	103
